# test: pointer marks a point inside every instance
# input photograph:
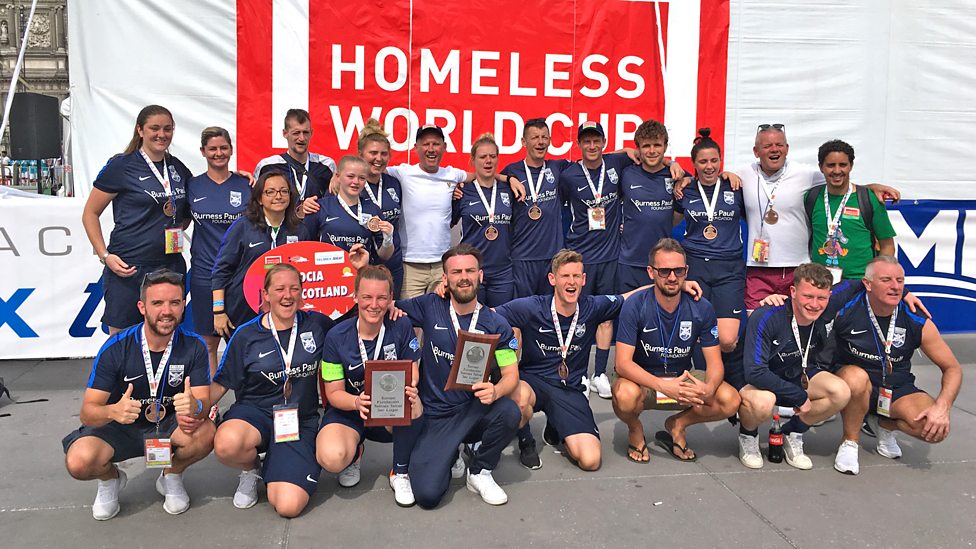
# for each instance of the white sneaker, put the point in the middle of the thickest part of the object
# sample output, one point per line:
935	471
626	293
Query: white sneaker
749	451
786	412
793	448
350	476
402	491
247	489
829	419
484	485
106	503
601	384
887	444
846	460
586	387
458	469
175	498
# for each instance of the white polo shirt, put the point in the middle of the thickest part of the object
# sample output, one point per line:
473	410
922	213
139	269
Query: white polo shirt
425	226
789	238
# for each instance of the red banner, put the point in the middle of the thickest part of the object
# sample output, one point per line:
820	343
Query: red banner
473	68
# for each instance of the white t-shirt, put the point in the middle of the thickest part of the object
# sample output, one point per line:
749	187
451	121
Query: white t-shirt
425	226
789	238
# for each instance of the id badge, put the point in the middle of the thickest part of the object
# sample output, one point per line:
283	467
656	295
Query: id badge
884	402
286	423
174	241
663	398
837	273
597	218
760	250
159	451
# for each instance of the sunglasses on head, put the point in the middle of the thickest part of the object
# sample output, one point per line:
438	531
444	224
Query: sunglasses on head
162	275
777	127
665	272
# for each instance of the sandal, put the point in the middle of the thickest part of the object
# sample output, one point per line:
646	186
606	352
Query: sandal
666	441
642	452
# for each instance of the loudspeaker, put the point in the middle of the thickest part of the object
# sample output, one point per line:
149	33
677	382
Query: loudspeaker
35	127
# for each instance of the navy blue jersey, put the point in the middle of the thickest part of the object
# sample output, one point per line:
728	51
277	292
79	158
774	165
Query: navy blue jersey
663	342
333	224
214	207
729	210
140	224
542	238
253	367
119	363
772	358
596	246
432	314
858	343
390	209
316	177
243	243
496	255
341	359
647	208
540	345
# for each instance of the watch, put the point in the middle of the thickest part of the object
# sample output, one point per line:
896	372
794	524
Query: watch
102	258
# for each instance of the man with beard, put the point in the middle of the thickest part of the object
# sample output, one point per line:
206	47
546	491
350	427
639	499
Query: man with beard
310	172
659	330
452	417
146	381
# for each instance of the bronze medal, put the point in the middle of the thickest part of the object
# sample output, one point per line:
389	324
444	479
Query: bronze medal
373	224
535	213
168	210
771	216
804	380
710	232
563	370
152	416
491	233
598	214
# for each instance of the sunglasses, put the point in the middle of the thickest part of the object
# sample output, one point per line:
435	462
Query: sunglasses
777	127
160	276
665	272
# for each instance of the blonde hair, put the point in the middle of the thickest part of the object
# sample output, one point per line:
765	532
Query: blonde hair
484	139
372	132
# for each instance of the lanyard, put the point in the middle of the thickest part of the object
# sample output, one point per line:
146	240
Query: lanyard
379	343
378	197
660	325
274	232
564	343
490	208
804	352
358	216
471	325
536	186
286	354
709	204
300	182
886	366
598	190
155	377
163	180
763	181
833	221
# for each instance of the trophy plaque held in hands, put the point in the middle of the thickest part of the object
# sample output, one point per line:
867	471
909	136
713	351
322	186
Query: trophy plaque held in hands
473	358
386	383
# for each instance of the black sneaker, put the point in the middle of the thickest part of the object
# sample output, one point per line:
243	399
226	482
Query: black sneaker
867	430
550	436
528	455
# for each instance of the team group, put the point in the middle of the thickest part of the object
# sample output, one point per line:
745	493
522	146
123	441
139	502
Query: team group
554	256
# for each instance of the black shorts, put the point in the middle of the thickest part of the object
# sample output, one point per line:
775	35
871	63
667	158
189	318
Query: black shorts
122	294
291	462
566	409
352	420
601	278
723	282
127	441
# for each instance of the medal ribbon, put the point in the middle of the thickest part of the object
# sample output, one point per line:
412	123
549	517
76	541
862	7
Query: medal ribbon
804	352
379	344
274	232
163	180
358	216
300	182
886	366
598	190
490	208
472	324
709	205
535	186
564	343
285	354
764	184
379	193
833	221
155	377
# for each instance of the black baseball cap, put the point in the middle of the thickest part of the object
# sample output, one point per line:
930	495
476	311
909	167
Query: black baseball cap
430	128
589	126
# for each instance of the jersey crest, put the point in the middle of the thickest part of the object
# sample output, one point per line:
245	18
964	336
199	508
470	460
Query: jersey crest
684	330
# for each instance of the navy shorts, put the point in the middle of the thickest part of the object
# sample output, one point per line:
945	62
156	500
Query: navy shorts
291	462
397	271
122	294
566	409
201	295
897	392
601	278
496	288
810	373
630	278
723	282
127	441
532	277
352	420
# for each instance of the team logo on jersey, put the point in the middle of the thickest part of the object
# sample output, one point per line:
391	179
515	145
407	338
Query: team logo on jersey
899	338
684	330
513	344
175	378
505	200
389	352
308	342
173	175
829	326
729	197
612	174
580	330
549	176
414	344
669	185
714	331
393	194
236	199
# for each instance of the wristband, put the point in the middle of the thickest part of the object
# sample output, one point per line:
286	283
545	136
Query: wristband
199	407
219	303
220	312
387	239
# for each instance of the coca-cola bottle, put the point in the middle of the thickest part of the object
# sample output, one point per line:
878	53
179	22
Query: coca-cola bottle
775	441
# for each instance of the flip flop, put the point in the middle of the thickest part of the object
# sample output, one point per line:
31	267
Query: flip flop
665	441
641	451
